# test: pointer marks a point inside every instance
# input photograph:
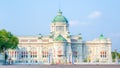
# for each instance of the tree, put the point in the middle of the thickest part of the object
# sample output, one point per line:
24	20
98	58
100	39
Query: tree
7	41
119	56
114	56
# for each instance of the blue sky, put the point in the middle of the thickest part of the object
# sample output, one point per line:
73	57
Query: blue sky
89	17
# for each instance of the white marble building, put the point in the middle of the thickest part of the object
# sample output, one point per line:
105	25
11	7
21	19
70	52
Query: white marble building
60	47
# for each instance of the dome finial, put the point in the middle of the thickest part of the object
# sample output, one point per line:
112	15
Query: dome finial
59	12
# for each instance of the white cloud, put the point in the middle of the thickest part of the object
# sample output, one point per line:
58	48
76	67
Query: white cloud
78	23
94	15
74	23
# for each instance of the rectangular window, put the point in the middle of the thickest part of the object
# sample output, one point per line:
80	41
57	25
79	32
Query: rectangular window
101	56
59	28
26	56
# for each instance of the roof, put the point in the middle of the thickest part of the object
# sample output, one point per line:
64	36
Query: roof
60	38
60	18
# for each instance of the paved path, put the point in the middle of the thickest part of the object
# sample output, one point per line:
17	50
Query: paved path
63	66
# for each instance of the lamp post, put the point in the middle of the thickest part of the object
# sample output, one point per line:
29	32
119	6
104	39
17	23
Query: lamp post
65	56
49	56
70	58
88	57
29	54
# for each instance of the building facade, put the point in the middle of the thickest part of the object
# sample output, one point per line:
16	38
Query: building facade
59	47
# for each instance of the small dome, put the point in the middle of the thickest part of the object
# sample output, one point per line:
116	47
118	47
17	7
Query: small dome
60	18
101	36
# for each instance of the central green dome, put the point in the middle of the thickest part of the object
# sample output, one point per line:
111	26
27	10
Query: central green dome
60	18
